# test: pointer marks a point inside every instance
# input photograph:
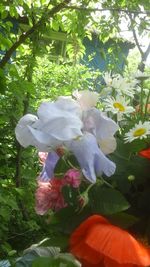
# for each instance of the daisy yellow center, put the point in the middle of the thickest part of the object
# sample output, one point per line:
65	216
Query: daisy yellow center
119	106
139	132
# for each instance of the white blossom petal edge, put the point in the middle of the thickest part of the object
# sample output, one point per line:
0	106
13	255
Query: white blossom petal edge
86	99
51	128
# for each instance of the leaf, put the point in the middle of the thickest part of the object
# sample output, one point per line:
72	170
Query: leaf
61	166
107	201
122	219
60	260
43	251
60	241
35	252
70	194
43	261
69	259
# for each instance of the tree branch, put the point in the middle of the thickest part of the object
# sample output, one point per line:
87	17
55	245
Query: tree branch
135	36
108	8
25	35
146	53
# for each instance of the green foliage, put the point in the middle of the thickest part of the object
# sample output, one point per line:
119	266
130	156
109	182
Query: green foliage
107	201
67	260
24	84
19	167
46	256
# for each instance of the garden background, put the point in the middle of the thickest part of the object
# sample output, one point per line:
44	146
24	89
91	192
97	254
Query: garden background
42	56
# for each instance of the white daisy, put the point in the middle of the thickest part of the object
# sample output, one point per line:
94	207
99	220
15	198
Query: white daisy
108	79
120	84
141	75
140	131
118	105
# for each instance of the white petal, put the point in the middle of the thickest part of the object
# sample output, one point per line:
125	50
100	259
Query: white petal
91	159
68	104
108	145
22	131
104	127
43	141
61	128
86	99
63	107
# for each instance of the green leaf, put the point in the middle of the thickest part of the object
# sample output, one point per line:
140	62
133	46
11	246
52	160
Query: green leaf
107	201
122	219
60	241
61	260
69	259
44	261
70	194
61	166
36	252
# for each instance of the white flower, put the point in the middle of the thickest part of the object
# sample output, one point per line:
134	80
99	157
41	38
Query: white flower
86	99
120	84
22	131
102	127
141	75
56	123
108	79
140	131
62	123
92	160
118	105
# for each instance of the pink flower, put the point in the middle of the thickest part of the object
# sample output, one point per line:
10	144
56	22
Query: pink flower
72	177
49	196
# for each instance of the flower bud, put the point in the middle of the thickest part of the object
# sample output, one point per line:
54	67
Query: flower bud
83	199
131	178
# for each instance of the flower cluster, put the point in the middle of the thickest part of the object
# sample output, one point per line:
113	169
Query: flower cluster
128	101
78	144
49	194
75	125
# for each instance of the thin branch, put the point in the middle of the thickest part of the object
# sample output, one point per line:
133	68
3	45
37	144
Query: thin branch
25	35
146	52
135	37
106	9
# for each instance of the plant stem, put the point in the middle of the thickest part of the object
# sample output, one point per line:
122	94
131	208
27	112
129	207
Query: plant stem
141	98
146	104
105	182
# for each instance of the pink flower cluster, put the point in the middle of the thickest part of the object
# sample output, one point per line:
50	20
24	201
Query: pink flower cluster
72	178
49	194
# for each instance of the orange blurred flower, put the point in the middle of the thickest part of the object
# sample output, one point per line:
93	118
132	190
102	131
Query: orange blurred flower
138	108
145	153
97	243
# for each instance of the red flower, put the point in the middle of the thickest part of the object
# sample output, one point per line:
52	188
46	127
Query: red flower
97	243
145	153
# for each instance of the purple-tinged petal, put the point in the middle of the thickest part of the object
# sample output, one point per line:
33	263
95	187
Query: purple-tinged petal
99	124
49	166
91	159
